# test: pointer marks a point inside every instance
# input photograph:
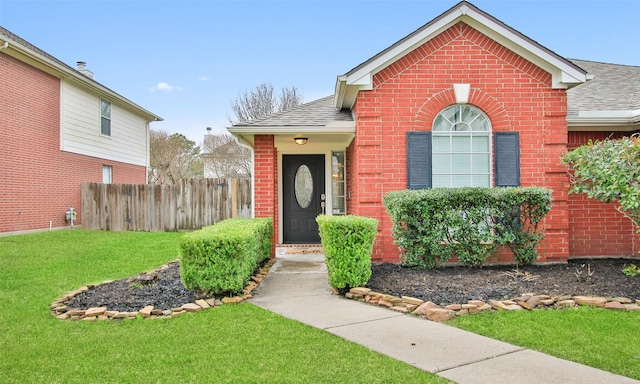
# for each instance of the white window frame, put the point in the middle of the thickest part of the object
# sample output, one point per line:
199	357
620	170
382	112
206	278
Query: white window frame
338	183
450	126
107	174
105	118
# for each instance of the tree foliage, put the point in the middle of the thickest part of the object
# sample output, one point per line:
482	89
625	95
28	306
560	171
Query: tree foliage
173	157
608	170
222	156
263	101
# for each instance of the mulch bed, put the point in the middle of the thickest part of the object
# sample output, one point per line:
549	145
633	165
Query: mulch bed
454	285
162	289
450	285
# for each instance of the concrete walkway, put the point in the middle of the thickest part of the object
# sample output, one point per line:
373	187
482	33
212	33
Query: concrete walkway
297	288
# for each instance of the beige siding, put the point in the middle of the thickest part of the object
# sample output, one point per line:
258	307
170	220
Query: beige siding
80	119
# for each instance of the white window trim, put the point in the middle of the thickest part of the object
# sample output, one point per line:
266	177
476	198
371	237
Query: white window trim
109	169
108	117
451	134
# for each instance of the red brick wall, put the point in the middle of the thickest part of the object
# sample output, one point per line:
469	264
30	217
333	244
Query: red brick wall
595	228
38	182
266	176
516	96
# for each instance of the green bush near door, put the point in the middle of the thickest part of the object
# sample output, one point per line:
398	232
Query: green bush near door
347	242
221	258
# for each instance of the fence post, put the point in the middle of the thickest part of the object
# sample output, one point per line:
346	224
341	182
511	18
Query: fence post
234	198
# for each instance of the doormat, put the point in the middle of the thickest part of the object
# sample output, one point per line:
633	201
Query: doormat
303	251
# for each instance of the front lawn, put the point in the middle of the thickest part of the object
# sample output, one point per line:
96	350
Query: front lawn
230	344
600	338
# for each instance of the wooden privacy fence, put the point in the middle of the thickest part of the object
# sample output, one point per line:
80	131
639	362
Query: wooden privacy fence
189	205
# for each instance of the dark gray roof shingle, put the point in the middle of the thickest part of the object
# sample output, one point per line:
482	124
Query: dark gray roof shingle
614	87
313	114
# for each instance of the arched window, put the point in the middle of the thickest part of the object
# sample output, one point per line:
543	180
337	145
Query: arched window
461	148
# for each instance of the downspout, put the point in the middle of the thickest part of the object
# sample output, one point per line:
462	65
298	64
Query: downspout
4	46
148	154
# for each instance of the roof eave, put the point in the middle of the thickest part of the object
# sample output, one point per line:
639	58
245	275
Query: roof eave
605	120
64	72
331	128
564	74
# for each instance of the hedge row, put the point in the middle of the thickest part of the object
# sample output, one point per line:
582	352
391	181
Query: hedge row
347	242
221	258
431	225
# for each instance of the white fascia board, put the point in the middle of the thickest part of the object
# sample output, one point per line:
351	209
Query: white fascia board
626	114
348	126
391	56
341	89
338	127
55	69
362	78
347	90
626	120
564	74
363	83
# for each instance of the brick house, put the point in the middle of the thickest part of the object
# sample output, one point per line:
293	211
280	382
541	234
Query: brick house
464	100
60	128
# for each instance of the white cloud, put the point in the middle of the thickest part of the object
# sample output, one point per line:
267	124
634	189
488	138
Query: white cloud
203	78
162	86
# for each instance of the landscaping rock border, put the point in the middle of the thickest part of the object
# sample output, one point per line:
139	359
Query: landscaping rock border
61	311
434	312
403	304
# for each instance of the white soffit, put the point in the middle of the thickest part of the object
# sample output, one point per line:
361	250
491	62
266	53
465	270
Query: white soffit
564	74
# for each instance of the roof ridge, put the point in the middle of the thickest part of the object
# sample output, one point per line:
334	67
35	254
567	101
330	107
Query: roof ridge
603	62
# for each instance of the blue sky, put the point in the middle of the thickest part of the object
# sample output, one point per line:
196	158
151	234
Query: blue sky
186	61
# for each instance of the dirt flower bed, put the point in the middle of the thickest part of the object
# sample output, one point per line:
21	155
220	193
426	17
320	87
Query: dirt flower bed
159	293
163	290
459	284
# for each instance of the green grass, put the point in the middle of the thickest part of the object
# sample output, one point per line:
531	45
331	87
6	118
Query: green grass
231	344
600	338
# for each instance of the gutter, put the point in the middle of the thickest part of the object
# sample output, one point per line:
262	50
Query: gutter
64	71
626	120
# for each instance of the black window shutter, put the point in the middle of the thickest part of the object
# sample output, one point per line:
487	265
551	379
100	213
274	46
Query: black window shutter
506	148
418	160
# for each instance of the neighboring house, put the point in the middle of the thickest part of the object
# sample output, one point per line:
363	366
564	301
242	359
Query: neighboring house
465	100
60	128
223	157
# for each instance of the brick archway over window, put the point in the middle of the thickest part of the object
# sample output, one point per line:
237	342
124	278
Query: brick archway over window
437	102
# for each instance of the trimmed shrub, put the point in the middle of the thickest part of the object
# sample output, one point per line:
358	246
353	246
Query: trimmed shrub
519	212
222	257
347	242
431	225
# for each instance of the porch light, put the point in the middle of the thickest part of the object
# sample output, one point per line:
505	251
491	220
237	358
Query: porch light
301	140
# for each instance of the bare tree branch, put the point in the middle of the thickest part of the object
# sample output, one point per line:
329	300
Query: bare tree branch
262	102
289	98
